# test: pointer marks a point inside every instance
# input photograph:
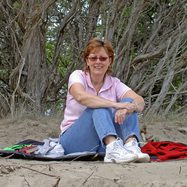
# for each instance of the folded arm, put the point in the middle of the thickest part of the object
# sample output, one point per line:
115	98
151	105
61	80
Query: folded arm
138	102
78	92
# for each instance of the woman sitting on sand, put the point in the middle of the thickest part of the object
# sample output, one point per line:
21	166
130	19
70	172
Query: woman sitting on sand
101	111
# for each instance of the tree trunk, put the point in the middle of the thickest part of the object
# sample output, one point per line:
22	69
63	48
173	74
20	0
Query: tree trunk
36	68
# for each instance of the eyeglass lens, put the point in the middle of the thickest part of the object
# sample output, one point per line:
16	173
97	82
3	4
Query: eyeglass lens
101	58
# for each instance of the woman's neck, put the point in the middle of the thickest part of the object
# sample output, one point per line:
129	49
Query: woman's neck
97	82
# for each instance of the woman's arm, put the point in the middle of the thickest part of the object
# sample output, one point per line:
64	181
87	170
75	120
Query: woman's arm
78	92
136	106
138	101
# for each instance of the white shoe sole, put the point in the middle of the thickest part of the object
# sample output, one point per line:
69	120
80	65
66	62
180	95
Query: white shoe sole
145	158
111	160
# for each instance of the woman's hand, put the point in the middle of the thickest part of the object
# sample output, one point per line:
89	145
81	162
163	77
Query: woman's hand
124	109
120	116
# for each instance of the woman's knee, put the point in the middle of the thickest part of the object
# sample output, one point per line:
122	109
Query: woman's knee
102	112
132	116
128	99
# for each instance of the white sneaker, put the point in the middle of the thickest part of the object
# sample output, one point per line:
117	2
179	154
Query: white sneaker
116	152
133	147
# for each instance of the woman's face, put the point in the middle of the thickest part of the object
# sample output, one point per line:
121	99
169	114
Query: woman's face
98	62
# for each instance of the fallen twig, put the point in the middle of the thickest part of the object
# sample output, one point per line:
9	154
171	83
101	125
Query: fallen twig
87	178
26	181
57	182
40	172
180	170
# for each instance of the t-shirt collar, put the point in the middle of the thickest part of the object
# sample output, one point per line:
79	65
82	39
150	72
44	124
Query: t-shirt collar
107	82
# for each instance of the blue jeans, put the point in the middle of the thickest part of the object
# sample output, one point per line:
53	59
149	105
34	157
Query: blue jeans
88	132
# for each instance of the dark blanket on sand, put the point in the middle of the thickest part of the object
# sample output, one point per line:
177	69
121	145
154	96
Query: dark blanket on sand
158	151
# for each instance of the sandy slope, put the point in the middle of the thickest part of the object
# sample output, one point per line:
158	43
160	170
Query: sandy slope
17	172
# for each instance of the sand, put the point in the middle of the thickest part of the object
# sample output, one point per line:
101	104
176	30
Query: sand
22	172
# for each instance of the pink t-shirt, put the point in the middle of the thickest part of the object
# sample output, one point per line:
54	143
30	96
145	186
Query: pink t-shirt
112	89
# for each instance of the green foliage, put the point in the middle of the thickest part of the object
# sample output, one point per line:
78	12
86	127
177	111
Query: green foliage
64	62
4	72
50	50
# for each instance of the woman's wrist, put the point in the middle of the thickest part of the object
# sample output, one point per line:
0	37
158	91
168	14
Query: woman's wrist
138	107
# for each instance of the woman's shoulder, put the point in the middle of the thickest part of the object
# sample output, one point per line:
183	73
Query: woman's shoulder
78	71
77	75
113	78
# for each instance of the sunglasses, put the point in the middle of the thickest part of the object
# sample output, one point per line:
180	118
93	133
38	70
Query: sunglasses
101	58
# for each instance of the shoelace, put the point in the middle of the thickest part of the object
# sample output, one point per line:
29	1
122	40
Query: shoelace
136	147
119	146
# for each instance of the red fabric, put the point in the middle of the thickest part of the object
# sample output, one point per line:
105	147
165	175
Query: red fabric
28	149
165	150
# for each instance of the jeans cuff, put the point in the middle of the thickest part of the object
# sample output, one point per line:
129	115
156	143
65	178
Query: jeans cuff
109	134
